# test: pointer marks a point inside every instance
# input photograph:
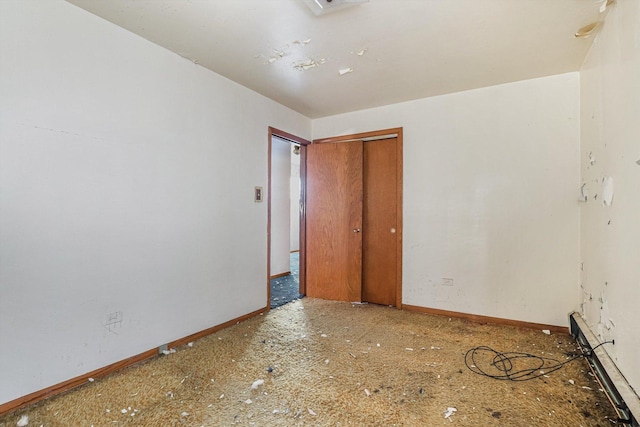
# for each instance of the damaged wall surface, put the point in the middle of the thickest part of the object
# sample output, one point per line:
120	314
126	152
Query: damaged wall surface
609	152
126	195
491	219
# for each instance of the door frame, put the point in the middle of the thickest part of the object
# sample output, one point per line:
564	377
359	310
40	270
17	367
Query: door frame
375	135
303	208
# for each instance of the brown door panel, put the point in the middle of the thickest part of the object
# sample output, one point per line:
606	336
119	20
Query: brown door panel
334	221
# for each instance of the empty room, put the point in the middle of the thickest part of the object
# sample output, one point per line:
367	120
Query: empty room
450	189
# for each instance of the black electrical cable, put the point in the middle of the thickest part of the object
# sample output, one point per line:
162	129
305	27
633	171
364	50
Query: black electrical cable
514	366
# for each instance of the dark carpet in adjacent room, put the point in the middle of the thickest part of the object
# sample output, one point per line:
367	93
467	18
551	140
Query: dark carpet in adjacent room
287	288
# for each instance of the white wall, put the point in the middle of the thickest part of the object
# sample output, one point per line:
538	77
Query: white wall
490	197
280	206
294	244
126	195
610	147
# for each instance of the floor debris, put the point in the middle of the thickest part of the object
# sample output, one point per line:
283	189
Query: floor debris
256	384
311	412
405	387
449	412
23	421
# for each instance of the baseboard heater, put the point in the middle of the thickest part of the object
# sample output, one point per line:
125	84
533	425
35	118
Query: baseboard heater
622	396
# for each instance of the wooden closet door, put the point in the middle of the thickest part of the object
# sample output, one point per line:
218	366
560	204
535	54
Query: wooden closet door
380	238
334	220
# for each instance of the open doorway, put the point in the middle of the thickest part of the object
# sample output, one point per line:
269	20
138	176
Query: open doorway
286	219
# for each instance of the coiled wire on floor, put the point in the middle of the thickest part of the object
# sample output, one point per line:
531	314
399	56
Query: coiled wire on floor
514	366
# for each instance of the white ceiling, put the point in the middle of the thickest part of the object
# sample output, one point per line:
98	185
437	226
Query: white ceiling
398	49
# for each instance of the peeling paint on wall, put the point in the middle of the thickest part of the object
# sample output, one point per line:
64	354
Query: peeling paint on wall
583	305
587	30
605	325
584	193
585	299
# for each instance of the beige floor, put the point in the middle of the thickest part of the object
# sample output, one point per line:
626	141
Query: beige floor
333	364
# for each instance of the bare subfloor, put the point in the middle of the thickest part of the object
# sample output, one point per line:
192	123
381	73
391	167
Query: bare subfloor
328	363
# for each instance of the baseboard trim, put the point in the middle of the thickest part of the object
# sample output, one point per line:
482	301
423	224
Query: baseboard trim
621	395
286	273
487	319
213	329
109	369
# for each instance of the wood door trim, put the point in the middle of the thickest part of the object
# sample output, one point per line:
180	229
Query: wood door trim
303	214
286	135
399	176
397	132
361	136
